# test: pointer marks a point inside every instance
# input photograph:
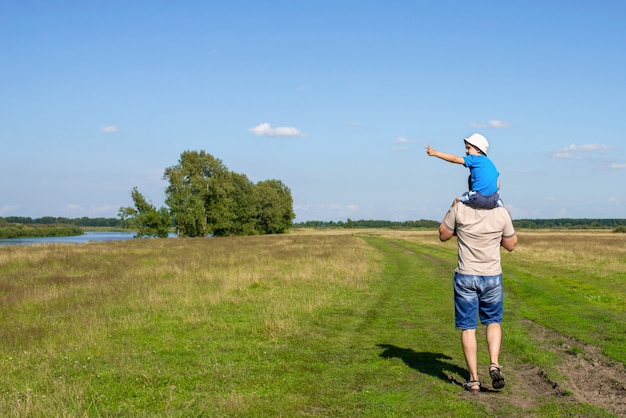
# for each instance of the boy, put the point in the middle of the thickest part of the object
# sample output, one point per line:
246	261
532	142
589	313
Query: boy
484	181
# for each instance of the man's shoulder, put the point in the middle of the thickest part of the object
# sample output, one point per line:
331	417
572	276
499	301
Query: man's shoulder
499	211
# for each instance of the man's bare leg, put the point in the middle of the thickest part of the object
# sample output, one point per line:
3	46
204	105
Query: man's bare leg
494	342
468	341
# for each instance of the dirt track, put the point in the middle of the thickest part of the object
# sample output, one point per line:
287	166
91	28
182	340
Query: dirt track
590	377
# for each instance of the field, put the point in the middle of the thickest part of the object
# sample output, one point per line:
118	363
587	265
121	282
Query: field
313	323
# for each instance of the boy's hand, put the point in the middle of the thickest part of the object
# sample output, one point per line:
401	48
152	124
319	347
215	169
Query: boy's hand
446	157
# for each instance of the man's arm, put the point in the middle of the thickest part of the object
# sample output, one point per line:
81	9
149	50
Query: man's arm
446	157
509	243
509	237
444	232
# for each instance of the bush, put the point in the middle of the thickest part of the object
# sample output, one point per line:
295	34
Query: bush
38	231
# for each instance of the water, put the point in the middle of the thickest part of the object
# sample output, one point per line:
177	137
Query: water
79	239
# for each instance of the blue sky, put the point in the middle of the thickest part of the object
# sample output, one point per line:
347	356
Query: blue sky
337	99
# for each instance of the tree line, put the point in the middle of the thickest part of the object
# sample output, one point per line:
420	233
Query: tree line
51	220
205	198
618	225
371	223
571	223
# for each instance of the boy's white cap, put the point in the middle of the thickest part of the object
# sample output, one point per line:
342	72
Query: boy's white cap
478	141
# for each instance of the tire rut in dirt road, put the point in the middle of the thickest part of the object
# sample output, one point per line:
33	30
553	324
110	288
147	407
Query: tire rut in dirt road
590	376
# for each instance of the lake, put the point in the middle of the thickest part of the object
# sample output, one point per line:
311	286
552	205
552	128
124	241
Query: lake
78	239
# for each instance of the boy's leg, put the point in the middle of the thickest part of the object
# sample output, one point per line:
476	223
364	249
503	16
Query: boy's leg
477	200
465	197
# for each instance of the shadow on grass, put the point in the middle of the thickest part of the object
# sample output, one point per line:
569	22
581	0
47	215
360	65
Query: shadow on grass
433	364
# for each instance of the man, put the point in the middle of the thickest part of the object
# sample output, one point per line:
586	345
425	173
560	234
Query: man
478	280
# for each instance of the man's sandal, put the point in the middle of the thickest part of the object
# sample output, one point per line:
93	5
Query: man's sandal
469	386
497	378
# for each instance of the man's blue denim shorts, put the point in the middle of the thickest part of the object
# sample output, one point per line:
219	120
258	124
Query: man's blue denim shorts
477	296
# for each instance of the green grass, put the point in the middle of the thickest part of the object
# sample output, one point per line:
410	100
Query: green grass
298	325
574	284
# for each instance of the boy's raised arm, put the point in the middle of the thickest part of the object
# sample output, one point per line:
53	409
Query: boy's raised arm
446	157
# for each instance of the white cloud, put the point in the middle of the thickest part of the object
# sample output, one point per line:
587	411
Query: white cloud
579	152
566	155
91	210
265	129
103	209
8	209
588	148
491	124
405	140
618	166
110	129
404	143
74	207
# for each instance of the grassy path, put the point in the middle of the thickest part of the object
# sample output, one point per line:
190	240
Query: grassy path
410	319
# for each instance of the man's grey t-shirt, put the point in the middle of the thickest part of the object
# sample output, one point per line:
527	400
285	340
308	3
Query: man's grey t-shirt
479	233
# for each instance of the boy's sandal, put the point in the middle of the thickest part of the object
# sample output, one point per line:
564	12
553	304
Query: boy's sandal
497	378
469	386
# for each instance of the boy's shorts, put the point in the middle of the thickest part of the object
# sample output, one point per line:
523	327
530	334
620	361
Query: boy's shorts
477	200
477	296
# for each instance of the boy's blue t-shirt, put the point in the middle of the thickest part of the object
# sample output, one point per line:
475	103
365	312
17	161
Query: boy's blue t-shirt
483	173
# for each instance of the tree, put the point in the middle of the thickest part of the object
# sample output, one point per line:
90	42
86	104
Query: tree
127	216
149	221
204	198
241	208
220	204
274	207
193	194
